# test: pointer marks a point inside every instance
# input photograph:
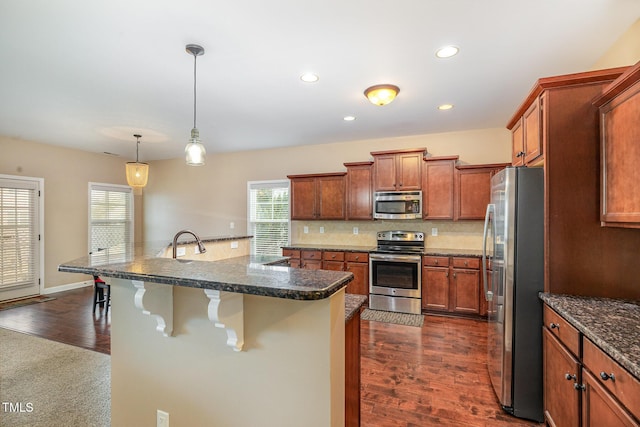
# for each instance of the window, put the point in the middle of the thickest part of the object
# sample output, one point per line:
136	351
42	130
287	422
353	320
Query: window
268	220
19	236
110	222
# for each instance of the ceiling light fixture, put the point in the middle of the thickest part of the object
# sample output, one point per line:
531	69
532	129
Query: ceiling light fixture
137	173
381	94
445	107
194	151
309	78
348	118
447	51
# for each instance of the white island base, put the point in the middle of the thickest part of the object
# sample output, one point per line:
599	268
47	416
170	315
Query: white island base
289	372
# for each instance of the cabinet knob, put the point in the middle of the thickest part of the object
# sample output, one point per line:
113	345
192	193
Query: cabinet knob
454	275
333	256
579	386
606	376
466	263
435	262
446	274
569	377
357	257
554	326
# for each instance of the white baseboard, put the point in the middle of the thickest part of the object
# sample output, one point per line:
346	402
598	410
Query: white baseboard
67	287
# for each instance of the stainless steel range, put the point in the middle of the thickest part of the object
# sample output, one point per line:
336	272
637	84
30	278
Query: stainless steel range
395	279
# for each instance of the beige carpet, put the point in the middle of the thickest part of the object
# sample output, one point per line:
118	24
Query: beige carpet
390	317
50	384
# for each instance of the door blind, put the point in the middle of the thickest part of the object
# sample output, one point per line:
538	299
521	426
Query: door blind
268	216
18	233
110	223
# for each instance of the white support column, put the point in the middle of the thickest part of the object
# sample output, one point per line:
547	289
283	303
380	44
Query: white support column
156	300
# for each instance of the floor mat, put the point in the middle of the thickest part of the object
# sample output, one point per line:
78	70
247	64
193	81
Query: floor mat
391	317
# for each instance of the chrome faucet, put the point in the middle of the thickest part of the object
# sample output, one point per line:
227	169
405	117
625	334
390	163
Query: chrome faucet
201	247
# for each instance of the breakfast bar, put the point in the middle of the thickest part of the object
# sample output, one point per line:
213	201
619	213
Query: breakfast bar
230	341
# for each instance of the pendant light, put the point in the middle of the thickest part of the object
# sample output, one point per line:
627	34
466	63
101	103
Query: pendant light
137	173
194	151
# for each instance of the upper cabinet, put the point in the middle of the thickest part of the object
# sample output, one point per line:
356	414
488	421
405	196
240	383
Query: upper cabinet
359	190
318	196
473	189
619	107
527	134
438	187
397	170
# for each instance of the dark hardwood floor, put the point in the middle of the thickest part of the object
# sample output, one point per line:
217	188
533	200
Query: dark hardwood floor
430	376
69	318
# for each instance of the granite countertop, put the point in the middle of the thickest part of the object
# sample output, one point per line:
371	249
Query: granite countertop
248	275
347	248
352	305
613	325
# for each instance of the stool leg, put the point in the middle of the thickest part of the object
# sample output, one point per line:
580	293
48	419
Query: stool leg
95	297
108	300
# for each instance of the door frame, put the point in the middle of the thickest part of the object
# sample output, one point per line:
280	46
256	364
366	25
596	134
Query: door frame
40	246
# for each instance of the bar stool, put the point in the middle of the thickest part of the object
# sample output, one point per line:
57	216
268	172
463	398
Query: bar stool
99	296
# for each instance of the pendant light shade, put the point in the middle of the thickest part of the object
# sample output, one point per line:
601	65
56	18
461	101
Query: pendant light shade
195	152
381	94
137	173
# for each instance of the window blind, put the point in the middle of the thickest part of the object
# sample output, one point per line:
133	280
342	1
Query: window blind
18	233
268	216
110	222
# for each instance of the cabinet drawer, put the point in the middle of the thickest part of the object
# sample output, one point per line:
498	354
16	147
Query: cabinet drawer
333	256
291	253
624	386
567	334
311	255
357	257
435	261
459	262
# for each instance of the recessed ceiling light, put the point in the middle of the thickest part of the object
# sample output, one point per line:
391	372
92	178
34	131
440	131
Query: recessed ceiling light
447	51
445	107
348	118
309	78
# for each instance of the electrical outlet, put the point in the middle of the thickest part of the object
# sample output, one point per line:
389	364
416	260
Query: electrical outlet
162	418
434	231
355	230
321	230
181	251
234	245
305	230
232	225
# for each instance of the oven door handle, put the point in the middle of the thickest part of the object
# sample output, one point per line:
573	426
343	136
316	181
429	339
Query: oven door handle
394	257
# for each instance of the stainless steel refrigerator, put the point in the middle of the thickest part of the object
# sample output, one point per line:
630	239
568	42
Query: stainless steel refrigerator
513	242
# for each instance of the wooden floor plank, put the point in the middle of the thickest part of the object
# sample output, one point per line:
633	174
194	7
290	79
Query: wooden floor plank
435	375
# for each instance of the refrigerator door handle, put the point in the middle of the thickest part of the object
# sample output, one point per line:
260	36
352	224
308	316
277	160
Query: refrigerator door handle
488	295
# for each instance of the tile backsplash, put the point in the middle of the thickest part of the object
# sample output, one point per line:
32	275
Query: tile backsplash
450	234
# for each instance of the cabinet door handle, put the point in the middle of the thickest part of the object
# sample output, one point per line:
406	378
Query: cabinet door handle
466	263
446	274
454	275
554	326
570	377
606	376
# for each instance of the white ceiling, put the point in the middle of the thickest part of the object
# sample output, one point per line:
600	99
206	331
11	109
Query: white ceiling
90	74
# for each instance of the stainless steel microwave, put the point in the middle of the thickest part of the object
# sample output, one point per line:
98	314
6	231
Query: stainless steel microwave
397	205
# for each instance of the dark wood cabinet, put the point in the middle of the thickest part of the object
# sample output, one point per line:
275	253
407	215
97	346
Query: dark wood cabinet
451	285
358	264
570	134
517	144
359	190
318	196
562	376
583	386
619	108
473	189
398	170
352	368
438	187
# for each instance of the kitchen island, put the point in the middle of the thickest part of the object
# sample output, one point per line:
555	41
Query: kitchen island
231	342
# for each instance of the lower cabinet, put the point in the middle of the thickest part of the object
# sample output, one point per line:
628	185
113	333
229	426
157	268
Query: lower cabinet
352	372
451	285
583	386
354	262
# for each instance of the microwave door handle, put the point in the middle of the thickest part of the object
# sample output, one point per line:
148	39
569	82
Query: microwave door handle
488	294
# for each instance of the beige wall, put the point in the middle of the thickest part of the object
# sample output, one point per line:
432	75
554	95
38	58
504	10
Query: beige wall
206	199
625	51
66	175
